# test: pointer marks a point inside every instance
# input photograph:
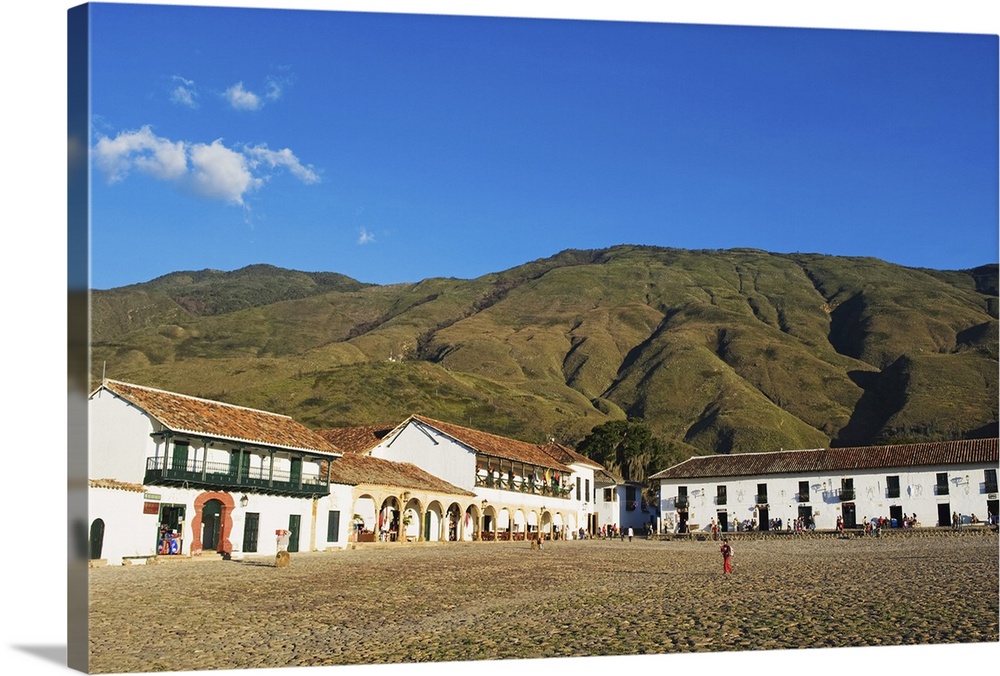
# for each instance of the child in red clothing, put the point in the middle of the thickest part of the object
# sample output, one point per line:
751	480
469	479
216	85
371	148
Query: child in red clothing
727	557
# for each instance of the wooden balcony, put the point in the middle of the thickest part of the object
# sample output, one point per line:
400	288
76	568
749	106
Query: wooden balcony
519	485
162	472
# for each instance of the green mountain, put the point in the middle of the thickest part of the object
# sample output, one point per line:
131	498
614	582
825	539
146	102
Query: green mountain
718	351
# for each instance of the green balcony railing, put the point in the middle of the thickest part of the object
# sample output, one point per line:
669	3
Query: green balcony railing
519	485
161	471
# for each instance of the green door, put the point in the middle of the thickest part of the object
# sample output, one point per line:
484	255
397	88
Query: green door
211	525
96	538
251	527
178	461
239	466
293	532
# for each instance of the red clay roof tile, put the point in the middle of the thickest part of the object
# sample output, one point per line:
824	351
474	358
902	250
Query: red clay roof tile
495	445
183	413
354	469
834	459
359	439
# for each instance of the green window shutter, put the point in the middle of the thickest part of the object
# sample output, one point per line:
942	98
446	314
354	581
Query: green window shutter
333	526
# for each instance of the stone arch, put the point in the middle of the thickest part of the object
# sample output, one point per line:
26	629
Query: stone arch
489	527
471	523
365	514
389	518
433	528
411	519
558	532
505	524
453	522
545	525
532	524
520	524
572	526
224	546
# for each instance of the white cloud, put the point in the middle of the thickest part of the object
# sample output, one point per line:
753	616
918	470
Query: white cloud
274	89
219	172
184	93
210	170
142	150
281	158
365	237
242	99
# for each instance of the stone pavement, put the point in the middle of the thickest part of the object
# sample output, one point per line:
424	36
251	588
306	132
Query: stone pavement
487	601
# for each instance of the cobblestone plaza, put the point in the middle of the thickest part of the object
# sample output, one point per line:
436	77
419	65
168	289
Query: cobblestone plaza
452	602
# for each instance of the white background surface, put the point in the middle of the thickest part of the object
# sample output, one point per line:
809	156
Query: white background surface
34	262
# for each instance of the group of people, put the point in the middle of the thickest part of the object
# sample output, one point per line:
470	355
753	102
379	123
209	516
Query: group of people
875	526
957	520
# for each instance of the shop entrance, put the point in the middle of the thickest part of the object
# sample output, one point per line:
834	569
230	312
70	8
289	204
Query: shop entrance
170	533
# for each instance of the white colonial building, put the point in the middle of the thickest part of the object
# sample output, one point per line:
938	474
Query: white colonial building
522	491
935	482
176	475
621	504
172	474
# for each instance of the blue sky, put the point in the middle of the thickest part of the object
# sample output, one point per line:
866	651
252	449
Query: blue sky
393	147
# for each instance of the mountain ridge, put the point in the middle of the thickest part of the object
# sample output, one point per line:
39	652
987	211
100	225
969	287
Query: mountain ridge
718	350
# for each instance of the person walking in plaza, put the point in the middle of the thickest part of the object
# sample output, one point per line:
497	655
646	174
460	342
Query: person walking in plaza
630	533
727	557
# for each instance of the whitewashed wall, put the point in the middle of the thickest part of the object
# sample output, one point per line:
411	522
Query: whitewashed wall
607	510
635	518
340	499
586	505
274	511
917	495
119	440
127	531
433	452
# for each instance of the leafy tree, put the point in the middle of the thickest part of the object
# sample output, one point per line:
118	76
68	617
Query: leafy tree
626	447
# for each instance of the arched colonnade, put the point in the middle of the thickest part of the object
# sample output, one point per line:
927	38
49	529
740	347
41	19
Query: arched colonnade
387	516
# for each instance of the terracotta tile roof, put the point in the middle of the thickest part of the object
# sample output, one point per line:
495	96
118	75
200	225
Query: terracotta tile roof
183	413
568	456
606	478
115	484
356	439
354	469
494	444
835	459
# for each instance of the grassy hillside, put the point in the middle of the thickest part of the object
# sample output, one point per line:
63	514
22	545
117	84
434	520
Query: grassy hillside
731	351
